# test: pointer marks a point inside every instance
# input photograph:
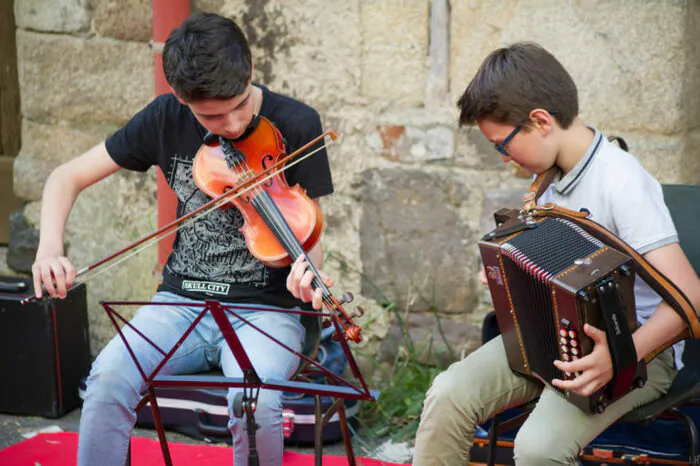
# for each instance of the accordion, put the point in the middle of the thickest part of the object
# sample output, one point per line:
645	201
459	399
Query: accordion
548	277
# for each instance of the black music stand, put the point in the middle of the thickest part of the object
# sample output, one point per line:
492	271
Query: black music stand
251	383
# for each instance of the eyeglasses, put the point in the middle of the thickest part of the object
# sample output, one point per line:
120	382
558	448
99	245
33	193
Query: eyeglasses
502	146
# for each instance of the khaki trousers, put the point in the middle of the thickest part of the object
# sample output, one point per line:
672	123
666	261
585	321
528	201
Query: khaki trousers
476	388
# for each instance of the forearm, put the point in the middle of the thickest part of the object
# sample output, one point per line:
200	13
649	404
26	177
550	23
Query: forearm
62	189
663	325
58	199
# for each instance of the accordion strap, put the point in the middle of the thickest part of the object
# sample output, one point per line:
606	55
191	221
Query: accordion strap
655	279
538	187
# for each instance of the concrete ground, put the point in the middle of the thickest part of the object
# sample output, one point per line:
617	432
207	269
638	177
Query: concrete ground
12	429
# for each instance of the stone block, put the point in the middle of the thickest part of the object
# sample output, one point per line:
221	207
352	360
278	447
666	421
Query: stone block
412	144
474	150
44	147
413	241
437	79
475	30
5	269
436	340
66	16
10	201
123	19
634	71
395	35
670	159
496	199
92	81
24	241
299	44
637	72
209	6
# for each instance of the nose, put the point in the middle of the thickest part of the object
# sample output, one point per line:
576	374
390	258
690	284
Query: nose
235	126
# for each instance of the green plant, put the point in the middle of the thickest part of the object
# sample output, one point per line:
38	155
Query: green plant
403	385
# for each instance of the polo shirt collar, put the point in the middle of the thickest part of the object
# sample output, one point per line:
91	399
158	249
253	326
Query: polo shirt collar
569	182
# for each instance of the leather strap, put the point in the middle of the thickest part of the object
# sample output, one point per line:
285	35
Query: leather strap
668	291
538	187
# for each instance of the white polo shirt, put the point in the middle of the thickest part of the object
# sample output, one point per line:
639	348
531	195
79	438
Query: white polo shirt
624	198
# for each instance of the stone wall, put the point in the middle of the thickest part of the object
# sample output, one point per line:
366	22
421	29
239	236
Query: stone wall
413	191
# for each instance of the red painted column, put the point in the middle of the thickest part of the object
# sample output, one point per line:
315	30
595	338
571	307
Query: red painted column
167	15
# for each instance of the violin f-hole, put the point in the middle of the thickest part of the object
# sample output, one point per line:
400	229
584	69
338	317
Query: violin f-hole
266	161
244	197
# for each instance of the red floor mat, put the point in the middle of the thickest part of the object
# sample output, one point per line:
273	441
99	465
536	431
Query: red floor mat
61	450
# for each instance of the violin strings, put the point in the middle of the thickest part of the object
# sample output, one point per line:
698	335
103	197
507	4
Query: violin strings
262	201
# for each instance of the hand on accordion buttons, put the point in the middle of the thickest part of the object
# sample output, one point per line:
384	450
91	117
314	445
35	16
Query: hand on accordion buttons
594	370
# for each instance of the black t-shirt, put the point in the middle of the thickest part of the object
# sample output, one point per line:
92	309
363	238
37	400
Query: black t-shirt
210	257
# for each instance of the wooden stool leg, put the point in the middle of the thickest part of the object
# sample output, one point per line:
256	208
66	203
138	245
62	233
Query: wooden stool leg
318	430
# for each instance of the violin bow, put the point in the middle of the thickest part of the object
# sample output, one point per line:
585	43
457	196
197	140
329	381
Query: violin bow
93	270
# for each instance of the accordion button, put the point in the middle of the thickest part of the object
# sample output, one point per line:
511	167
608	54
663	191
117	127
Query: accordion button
564	349
574	343
574	358
563	332
563	341
568	374
574	351
565	357
572	334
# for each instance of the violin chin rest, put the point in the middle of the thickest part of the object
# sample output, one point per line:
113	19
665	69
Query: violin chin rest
210	139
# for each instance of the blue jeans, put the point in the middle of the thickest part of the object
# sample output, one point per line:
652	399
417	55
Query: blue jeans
115	385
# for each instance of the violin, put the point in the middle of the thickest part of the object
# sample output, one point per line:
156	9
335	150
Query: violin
281	222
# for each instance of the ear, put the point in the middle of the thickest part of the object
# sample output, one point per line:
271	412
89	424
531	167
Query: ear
542	120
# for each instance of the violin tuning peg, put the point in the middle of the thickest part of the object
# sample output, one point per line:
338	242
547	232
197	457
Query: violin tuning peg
347	298
359	312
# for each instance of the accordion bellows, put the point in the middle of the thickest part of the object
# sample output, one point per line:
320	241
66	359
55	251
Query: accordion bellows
548	277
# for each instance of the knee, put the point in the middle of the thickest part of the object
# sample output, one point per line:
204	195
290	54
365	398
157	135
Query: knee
112	383
532	447
449	399
449	392
441	392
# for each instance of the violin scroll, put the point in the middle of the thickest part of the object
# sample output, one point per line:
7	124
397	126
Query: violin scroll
350	329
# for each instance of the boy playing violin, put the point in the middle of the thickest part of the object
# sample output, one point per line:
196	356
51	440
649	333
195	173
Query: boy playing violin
208	64
525	102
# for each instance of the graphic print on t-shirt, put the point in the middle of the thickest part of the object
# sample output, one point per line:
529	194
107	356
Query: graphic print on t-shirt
211	248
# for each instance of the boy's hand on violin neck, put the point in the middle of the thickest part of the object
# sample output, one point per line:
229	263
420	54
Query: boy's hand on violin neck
300	283
53	273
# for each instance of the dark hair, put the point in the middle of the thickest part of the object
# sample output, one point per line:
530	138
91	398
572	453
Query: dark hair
207	57
513	81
